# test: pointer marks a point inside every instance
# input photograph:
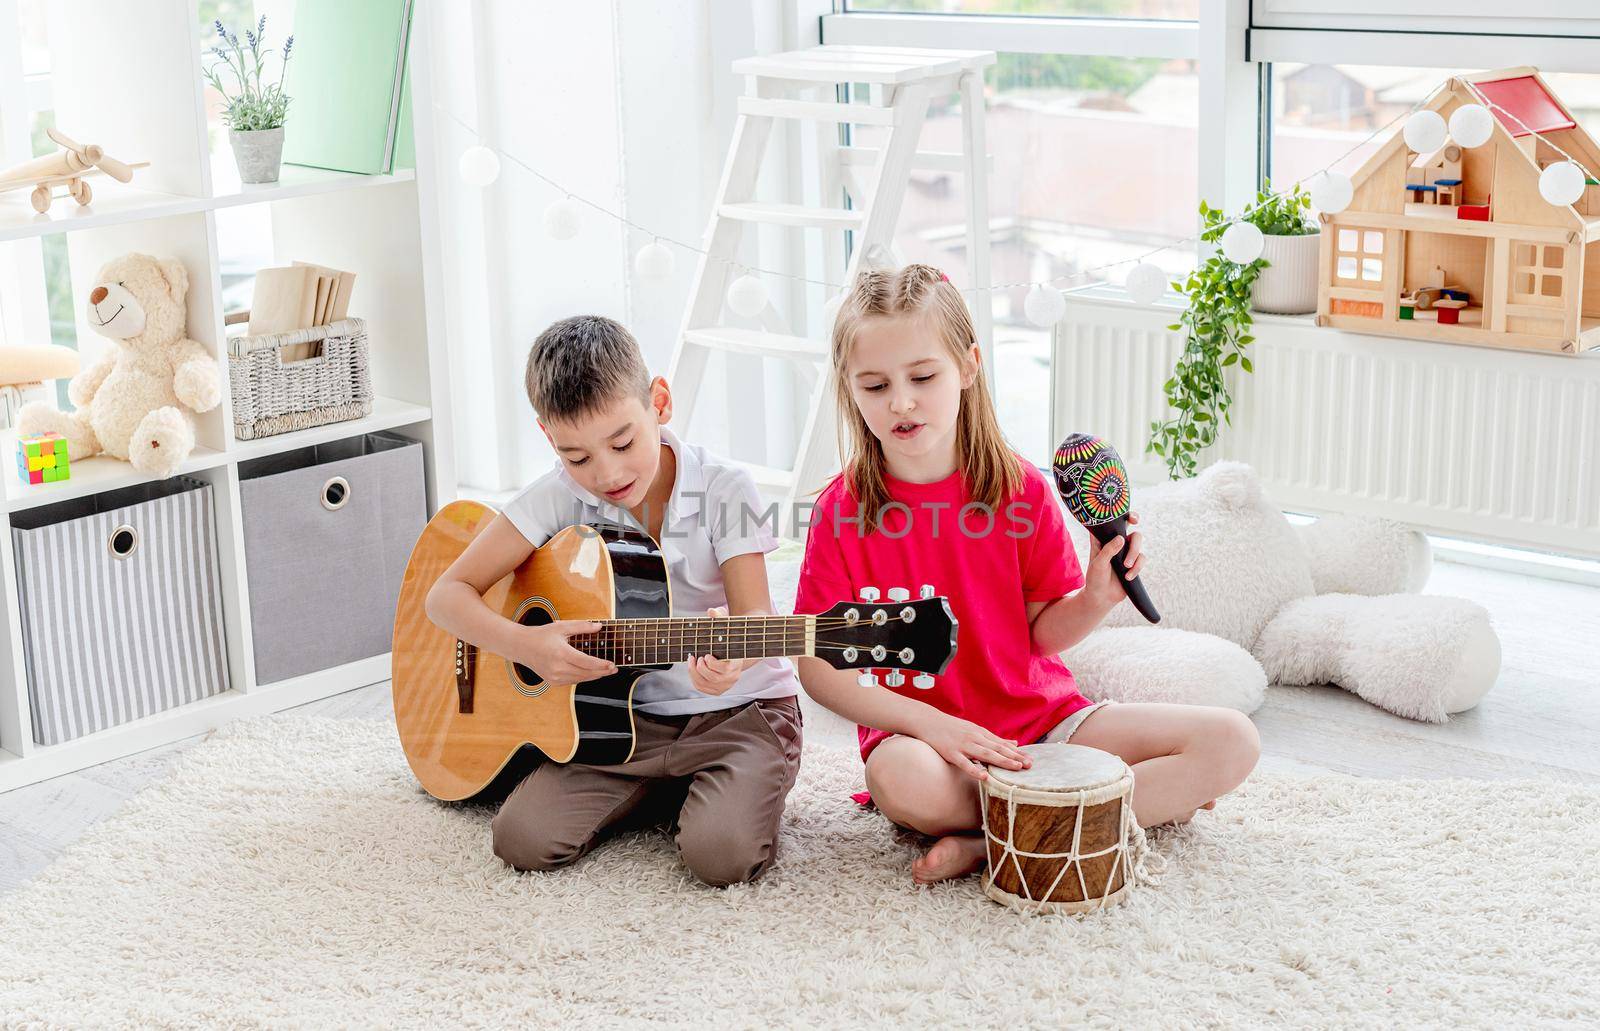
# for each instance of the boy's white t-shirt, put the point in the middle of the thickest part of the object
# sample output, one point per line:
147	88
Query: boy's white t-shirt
713	515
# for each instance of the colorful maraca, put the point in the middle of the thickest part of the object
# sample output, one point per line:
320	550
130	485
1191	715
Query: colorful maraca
1094	484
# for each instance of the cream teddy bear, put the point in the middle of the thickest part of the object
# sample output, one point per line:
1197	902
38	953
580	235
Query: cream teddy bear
131	401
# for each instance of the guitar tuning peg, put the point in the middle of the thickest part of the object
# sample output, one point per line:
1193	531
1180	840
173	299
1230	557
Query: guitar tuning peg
899	594
894	679
867	679
927	590
869	594
922	681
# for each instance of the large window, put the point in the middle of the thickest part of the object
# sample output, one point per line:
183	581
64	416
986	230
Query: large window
1094	166
1320	112
1102	144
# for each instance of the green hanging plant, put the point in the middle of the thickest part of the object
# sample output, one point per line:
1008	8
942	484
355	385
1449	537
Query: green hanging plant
1216	328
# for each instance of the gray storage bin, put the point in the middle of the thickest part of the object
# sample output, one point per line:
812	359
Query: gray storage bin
121	606
327	533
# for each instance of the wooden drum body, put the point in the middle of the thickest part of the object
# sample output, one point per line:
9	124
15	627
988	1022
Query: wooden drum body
1061	834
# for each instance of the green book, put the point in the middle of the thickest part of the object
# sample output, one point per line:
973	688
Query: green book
347	83
405	147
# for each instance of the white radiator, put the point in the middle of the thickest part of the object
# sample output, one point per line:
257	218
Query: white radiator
1464	441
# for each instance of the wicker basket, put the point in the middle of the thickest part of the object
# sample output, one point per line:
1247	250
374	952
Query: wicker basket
273	395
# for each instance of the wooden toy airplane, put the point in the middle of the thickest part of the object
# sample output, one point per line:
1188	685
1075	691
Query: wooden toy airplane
72	165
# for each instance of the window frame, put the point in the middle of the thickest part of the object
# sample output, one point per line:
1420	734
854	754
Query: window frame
1363	257
1017	34
1229	163
1236	42
1538	272
1231	87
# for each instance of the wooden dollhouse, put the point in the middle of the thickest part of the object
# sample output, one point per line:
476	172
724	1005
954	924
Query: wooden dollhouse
1458	244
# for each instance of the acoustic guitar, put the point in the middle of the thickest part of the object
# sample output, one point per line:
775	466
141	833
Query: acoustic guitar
473	723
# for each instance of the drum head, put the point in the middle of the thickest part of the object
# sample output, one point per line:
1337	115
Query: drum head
1063	767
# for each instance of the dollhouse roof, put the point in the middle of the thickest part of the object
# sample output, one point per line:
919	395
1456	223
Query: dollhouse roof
1528	105
1524	94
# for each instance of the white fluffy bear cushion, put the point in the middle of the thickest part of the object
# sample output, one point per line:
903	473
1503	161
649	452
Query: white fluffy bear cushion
1221	559
1363	555
1145	664
1419	656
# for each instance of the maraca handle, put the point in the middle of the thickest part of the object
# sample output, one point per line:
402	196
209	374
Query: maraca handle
1134	588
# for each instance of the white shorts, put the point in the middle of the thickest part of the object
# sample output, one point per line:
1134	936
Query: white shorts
1063	731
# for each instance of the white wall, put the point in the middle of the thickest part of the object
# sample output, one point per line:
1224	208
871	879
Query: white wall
630	104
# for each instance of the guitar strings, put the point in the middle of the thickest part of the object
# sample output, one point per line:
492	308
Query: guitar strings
693	627
718	621
725	626
625	638
817	648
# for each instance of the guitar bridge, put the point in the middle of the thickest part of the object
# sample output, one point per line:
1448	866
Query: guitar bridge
466	673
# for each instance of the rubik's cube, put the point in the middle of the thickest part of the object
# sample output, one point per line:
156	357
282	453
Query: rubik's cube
43	458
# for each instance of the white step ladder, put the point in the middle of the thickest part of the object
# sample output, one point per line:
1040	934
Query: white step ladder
803	85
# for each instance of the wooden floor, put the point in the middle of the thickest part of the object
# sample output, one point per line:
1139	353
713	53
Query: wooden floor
1542	720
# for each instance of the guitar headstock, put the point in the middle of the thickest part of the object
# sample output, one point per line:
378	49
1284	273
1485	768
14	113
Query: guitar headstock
897	634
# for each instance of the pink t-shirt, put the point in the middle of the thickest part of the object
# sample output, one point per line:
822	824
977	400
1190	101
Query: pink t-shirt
989	573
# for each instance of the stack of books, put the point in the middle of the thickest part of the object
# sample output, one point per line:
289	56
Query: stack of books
298	297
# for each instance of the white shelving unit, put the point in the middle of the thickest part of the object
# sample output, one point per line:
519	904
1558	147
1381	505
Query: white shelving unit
127	76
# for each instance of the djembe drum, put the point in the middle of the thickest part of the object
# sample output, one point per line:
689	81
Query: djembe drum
1061	834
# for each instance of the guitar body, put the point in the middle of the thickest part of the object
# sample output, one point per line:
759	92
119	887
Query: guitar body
473	723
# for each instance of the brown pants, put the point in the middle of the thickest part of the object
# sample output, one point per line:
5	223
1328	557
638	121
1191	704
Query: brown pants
718	780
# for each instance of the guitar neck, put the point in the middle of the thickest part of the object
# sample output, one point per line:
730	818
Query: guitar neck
651	642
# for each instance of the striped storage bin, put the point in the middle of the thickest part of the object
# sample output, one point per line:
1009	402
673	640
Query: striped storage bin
327	534
121	609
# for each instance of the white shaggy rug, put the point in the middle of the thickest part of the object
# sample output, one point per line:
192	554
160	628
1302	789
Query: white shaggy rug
289	872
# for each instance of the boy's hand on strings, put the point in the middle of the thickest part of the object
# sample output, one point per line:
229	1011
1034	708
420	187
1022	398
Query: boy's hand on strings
1100	580
967	746
711	675
548	651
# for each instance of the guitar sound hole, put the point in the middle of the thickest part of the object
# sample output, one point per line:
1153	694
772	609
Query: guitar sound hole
534	616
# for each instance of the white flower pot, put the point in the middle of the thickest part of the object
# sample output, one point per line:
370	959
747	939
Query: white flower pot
258	153
1288	285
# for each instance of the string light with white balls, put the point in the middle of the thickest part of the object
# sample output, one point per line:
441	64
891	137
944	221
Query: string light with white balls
479	166
747	296
561	219
1559	184
1425	131
654	261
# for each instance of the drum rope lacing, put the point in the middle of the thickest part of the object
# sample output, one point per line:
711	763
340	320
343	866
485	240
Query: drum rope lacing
1134	854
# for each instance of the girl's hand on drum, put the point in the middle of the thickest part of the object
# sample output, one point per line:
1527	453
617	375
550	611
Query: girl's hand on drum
967	746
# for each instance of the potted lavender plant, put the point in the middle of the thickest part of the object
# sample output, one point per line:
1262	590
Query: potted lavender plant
256	109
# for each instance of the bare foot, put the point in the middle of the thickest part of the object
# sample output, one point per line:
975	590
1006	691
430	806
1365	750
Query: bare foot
954	856
1210	805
